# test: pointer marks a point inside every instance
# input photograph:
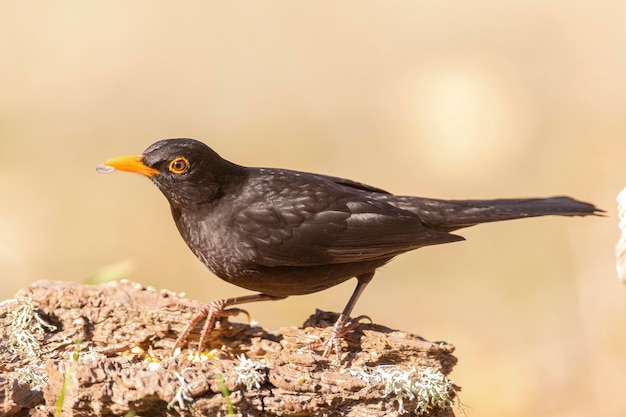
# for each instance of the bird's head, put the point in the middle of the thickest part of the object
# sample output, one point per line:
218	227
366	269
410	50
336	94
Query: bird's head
186	171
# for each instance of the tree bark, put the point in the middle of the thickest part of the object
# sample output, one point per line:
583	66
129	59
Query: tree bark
104	350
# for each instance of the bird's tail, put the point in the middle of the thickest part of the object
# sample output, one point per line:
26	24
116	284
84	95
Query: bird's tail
449	215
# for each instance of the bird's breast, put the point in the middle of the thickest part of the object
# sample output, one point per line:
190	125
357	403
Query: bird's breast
215	243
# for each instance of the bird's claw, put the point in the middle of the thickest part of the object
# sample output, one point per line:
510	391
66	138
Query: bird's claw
342	326
210	313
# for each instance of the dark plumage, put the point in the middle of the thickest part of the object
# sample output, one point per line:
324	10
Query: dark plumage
282	232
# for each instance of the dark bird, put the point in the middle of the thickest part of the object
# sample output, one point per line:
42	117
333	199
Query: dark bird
282	232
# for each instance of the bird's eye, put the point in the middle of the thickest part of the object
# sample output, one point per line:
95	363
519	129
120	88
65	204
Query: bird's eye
179	165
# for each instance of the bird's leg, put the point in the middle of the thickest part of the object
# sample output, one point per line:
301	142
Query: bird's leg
215	309
342	326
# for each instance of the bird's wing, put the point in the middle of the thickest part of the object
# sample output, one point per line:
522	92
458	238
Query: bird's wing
344	182
317	228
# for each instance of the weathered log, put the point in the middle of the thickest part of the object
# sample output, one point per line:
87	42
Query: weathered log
122	334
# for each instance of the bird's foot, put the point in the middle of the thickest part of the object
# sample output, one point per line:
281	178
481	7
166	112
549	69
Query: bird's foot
210	313
342	326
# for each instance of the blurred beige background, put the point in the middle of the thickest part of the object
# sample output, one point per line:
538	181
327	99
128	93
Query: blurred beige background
449	99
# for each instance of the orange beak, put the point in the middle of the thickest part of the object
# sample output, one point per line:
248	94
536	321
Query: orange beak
130	163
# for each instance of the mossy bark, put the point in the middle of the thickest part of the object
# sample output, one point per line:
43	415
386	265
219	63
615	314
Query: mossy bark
125	333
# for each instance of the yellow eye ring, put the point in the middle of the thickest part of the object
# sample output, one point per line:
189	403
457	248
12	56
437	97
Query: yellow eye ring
179	165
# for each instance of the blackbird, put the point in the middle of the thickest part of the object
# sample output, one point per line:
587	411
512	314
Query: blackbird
280	232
